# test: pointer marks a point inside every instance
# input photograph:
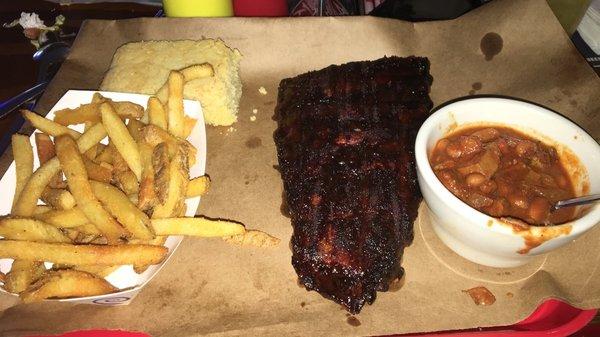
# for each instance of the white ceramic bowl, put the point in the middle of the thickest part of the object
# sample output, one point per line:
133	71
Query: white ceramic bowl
487	240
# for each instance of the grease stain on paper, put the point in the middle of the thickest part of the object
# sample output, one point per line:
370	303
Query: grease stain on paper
353	321
253	142
476	86
491	45
481	296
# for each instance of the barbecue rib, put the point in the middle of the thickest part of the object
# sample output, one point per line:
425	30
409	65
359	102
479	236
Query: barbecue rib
345	142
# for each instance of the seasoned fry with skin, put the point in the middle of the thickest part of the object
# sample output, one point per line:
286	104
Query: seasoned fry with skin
199	226
82	254
120	137
178	177
45	151
146	196
58	198
44	174
118	204
77	179
175	105
98	172
190	73
154	136
119	164
66	283
160	164
255	238
23	156
63	218
47	126
91	112
22	274
156	113
23	229
197	187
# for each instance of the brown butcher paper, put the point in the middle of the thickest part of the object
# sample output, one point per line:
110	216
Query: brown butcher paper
209	287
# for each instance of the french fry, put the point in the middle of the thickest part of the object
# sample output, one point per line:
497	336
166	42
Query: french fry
88	229
190	73
39	209
134	127
188	125
133	198
23	155
47	126
120	137
106	155
82	238
66	283
176	187
91	112
198	226
98	98
118	204
175	104
45	152
63	218
197	187
23	229
154	136
119	164
100	271
43	175
98	172
158	240
82	254
58	198
156	113
22	274
253	237
160	164
146	195
77	179
127	182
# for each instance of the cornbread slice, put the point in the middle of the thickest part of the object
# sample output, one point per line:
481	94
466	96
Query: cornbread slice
143	67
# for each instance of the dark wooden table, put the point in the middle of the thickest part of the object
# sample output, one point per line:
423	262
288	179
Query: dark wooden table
18	71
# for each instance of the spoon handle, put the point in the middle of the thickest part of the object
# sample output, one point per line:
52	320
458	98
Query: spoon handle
577	201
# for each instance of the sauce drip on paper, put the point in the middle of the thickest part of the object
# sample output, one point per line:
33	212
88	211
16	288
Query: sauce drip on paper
481	295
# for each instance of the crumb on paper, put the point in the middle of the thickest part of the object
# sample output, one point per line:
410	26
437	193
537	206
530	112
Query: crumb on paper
255	111
231	129
262	90
252	118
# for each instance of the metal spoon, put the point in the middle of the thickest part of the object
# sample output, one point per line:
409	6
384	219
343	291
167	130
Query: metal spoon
588	199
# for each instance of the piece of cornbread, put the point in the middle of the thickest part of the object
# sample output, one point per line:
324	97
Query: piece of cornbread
143	67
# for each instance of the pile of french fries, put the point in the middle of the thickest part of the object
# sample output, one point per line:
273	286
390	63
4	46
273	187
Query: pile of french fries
105	205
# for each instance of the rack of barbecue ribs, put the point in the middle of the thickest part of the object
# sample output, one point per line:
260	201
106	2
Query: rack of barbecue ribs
345	143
